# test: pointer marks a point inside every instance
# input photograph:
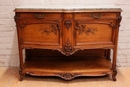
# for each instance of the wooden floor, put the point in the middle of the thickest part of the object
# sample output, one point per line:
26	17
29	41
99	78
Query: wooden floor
9	78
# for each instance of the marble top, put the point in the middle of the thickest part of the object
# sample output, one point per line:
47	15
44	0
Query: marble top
67	7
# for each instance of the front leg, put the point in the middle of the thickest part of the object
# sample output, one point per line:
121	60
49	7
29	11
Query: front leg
114	75
21	75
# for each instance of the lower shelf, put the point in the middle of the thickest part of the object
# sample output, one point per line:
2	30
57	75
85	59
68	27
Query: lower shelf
67	67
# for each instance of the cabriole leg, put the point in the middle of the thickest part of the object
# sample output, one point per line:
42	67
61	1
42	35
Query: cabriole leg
21	75
114	75
114	65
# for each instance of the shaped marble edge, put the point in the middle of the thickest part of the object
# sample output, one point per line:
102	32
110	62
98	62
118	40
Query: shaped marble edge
63	8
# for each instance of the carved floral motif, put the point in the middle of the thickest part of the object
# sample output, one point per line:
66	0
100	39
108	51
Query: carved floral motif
68	48
68	76
53	29
67	24
83	29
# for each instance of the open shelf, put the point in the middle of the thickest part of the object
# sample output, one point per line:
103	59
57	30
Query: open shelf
84	66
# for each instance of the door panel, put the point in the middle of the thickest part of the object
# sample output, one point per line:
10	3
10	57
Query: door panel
47	34
94	33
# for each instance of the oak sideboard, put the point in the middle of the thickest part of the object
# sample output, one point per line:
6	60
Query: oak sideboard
67	41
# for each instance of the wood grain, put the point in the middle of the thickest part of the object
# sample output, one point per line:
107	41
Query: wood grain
81	41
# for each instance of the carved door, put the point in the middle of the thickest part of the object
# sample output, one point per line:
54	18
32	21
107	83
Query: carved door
94	32
41	31
47	34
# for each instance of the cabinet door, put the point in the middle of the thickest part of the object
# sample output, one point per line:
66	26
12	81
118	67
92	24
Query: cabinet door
93	32
41	33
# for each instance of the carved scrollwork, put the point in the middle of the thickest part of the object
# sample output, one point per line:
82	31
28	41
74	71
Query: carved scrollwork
15	18
53	29
82	29
119	19
95	16
112	25
68	76
39	16
23	25
68	48
67	24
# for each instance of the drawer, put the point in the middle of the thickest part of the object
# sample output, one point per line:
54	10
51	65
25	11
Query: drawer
40	15
95	15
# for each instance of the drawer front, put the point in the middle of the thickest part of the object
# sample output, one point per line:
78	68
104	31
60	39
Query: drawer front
44	34
40	15
95	15
95	32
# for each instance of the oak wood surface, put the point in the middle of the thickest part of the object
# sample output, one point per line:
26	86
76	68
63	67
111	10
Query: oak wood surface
81	41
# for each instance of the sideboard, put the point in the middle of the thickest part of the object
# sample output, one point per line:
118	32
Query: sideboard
67	41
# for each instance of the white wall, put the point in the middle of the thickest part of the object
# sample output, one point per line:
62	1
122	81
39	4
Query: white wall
8	35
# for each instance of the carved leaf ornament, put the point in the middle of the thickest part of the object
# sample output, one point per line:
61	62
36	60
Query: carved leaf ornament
52	29
67	24
83	29
68	48
68	76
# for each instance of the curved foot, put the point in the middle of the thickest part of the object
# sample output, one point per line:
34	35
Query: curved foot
21	78
21	75
114	75
114	79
